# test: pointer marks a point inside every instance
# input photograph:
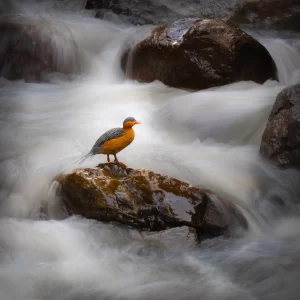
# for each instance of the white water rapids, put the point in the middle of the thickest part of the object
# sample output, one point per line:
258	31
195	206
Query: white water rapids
209	138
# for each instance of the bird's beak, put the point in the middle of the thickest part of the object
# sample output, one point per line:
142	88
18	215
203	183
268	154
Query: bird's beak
137	122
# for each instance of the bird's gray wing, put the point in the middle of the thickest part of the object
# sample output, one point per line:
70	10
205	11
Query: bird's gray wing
108	135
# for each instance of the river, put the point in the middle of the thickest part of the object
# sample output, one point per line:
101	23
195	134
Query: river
209	138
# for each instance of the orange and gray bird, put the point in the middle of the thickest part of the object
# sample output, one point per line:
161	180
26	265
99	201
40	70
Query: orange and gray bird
114	140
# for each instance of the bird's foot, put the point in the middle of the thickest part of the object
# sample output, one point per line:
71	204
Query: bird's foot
120	163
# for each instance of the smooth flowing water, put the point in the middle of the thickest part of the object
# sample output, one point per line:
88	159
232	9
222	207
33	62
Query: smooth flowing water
209	138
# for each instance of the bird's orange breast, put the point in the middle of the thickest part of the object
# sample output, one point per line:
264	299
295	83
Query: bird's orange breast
116	145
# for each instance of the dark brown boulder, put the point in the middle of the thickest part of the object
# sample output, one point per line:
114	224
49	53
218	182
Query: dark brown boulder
199	54
146	200
30	48
281	14
281	138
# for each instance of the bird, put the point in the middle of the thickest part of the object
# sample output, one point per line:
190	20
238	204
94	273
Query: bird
114	140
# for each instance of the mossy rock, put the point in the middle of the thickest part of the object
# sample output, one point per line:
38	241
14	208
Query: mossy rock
145	200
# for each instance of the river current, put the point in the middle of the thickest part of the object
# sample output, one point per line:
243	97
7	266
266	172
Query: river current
209	138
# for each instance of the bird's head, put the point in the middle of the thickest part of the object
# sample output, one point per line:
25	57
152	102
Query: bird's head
129	122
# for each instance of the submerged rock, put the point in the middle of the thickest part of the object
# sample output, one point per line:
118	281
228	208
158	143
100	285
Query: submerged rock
175	239
281	138
198	54
146	200
31	48
281	14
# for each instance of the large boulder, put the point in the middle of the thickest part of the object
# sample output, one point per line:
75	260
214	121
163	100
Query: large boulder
198	54
281	138
281	14
145	200
30	48
162	11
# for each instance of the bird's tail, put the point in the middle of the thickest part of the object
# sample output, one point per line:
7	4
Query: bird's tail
84	157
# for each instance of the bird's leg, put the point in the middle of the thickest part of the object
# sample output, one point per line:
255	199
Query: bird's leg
117	161
108	159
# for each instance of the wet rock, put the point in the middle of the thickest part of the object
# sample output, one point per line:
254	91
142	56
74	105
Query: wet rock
145	200
31	48
19	6
281	138
198	54
281	14
175	239
161	12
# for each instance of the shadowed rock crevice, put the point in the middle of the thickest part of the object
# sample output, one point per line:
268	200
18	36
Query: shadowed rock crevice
160	12
280	14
